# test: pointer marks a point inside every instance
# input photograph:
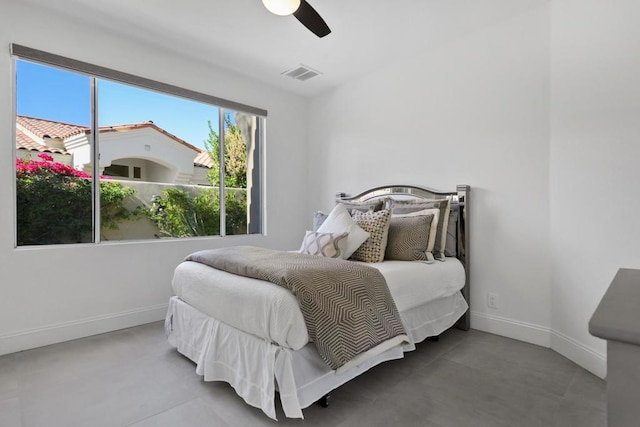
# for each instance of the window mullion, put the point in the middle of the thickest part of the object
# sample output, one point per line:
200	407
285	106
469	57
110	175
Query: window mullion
221	172
95	160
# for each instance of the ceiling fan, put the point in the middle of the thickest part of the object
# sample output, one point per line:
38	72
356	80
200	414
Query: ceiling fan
303	12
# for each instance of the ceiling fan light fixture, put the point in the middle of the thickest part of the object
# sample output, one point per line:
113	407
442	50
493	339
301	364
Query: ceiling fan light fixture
281	7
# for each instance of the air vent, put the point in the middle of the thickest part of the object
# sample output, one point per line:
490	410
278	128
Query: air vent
301	73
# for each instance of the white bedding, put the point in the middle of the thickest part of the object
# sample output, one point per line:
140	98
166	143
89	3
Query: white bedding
254	366
271	312
260	308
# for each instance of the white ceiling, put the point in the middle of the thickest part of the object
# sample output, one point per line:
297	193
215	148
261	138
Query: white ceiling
241	35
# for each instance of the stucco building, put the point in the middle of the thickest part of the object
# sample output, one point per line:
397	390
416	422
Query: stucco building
136	152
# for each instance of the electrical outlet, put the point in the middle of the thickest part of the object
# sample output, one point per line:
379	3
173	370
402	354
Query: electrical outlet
492	300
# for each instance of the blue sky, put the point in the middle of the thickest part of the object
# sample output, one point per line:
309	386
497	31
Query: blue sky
58	95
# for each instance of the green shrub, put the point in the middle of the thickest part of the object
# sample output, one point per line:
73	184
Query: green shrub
177	213
54	203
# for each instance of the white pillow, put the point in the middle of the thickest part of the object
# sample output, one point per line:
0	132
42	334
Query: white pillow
329	245
432	231
339	221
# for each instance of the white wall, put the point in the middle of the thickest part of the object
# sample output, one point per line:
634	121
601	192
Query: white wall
540	115
57	293
474	111
595	162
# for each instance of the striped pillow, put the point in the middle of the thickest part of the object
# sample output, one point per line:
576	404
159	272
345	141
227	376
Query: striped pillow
329	245
408	238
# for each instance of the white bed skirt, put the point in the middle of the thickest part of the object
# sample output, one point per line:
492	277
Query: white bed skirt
255	367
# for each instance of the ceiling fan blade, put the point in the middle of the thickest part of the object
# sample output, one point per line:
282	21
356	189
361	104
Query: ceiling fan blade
308	16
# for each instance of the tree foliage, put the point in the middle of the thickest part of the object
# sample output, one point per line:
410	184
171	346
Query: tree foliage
235	156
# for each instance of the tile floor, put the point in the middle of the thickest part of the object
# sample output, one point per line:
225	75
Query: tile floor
133	378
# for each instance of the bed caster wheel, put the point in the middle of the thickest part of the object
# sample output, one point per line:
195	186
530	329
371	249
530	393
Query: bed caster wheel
324	401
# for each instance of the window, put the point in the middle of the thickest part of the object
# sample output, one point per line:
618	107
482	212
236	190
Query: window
117	171
169	162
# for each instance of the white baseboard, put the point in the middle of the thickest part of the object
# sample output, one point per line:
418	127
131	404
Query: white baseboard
590	359
585	356
570	348
521	331
65	331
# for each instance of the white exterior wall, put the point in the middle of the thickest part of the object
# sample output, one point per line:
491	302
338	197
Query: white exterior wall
145	143
200	176
79	290
79	147
33	155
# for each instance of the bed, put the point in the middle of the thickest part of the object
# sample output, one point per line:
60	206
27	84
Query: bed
252	334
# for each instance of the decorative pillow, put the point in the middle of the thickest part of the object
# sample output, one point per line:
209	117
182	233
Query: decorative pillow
369	206
408	206
330	245
408	238
318	219
432	229
377	225
450	248
339	221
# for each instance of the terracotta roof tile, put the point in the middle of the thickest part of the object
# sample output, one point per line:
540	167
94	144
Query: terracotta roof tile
24	142
42	128
149	124
203	160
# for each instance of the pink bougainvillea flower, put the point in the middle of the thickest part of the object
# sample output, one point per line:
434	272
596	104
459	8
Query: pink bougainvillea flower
32	166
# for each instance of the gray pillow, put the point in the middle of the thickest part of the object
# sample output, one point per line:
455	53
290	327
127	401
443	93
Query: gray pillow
372	206
408	238
369	206
399	207
318	219
451	245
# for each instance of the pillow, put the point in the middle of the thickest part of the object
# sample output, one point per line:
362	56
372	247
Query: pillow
318	219
408	238
339	221
450	248
432	229
408	206
330	245
369	206
377	225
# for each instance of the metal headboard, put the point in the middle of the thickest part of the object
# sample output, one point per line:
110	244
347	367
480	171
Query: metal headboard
459	202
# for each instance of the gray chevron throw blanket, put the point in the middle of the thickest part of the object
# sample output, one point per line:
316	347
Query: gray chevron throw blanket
347	306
